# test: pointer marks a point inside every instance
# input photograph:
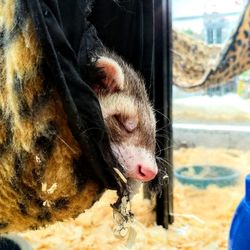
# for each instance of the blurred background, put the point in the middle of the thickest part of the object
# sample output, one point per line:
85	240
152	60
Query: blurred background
211	128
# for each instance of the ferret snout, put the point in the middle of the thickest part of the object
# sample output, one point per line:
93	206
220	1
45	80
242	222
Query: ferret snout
144	172
138	163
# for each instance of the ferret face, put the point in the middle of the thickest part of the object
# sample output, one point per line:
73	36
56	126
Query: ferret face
128	116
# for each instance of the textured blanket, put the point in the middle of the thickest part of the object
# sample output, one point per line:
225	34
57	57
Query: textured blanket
51	165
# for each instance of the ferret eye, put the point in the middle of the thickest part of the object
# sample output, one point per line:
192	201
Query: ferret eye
128	123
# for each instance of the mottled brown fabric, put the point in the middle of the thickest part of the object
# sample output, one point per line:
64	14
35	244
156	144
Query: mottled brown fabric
197	65
37	149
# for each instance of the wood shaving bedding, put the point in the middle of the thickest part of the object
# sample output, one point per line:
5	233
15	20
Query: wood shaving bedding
202	217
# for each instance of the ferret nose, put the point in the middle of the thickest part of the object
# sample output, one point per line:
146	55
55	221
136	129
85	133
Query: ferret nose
146	173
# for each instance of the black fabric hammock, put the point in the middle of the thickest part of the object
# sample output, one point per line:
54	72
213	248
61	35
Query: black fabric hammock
68	39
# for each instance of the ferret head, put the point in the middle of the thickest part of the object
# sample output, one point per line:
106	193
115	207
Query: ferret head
128	116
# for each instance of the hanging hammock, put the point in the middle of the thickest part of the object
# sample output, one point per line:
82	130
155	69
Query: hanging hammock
51	166
197	65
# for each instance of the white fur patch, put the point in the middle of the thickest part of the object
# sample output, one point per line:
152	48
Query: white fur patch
118	103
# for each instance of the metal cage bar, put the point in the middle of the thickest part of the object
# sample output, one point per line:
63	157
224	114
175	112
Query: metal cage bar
163	103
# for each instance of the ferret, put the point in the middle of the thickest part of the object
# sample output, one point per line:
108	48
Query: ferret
128	116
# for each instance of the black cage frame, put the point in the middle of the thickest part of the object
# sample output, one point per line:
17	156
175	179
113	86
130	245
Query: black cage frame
162	97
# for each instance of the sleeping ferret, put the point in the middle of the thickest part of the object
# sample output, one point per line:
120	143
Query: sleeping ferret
128	116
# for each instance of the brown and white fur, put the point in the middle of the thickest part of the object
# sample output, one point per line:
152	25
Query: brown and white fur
128	116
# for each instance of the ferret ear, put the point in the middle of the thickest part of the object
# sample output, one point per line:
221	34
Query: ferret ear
112	76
